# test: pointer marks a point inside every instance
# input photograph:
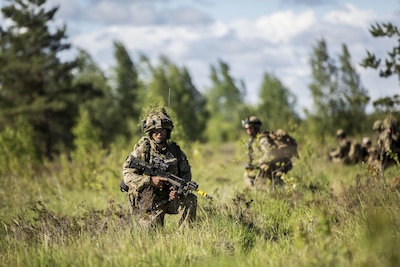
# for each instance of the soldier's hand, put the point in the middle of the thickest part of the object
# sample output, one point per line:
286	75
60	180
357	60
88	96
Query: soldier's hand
173	194
158	181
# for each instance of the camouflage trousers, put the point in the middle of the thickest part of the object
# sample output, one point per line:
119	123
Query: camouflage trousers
272	171
149	209
261	178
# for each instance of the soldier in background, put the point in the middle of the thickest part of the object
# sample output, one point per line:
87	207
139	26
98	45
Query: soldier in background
340	154
388	141
366	146
269	153
370	152
254	152
377	127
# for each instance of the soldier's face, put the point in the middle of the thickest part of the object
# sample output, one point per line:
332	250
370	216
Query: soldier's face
251	130
159	136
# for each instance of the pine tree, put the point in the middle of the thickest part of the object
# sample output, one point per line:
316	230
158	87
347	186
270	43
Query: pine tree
127	83
103	106
35	84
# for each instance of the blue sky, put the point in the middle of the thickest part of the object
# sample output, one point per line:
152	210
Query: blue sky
253	37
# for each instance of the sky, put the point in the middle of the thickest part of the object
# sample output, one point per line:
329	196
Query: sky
253	37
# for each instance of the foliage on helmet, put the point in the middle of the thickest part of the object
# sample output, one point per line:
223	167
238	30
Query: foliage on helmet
251	121
377	126
157	119
389	122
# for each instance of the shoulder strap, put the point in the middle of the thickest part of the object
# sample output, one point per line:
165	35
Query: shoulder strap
174	148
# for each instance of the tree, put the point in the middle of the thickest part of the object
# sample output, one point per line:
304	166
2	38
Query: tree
103	106
391	65
324	90
35	84
392	62
355	96
276	107
170	85
225	104
128	88
339	97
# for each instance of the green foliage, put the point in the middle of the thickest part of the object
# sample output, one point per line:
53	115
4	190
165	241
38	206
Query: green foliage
16	142
225	102
276	105
324	89
351	90
337	93
101	102
87	142
391	66
324	215
172	86
128	88
328	218
34	83
387	104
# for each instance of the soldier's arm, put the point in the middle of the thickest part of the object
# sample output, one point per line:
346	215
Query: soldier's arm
133	178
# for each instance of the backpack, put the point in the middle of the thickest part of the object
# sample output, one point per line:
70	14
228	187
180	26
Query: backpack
283	142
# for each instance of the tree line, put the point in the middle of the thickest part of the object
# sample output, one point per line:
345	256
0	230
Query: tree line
51	97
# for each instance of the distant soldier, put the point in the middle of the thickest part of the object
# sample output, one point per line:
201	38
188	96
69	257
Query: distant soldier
377	127
370	152
341	153
388	141
366	146
269	153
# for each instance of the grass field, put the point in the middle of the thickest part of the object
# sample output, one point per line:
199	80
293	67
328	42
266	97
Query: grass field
71	213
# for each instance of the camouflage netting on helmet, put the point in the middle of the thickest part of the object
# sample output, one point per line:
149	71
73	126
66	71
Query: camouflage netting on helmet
377	126
157	118
251	121
390	122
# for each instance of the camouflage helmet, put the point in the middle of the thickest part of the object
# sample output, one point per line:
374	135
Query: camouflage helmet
340	132
251	121
366	140
157	120
377	126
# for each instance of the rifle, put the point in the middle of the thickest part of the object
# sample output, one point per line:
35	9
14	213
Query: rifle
159	168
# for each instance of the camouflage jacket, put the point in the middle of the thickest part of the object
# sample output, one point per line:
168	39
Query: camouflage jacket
146	150
268	146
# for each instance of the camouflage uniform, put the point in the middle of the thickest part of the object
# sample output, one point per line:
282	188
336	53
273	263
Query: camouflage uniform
340	154
388	141
150	204
369	152
269	154
254	151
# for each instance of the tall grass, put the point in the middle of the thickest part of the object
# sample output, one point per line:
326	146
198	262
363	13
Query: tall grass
326	215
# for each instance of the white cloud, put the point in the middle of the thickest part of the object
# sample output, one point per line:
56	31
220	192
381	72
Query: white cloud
279	42
350	15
